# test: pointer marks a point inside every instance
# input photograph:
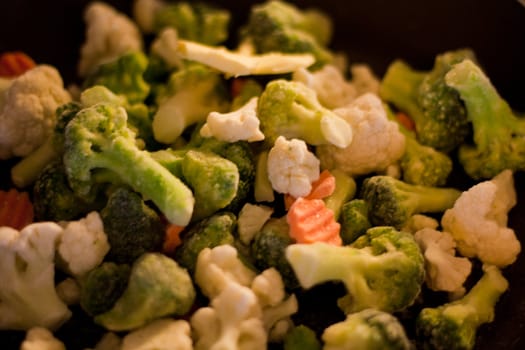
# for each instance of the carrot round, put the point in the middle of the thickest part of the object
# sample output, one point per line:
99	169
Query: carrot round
13	64
172	239
16	209
406	121
323	187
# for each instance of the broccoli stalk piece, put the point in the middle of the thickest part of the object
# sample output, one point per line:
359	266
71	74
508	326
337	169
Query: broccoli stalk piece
498	133
367	329
301	338
383	269
291	109
436	109
392	202
454	325
99	138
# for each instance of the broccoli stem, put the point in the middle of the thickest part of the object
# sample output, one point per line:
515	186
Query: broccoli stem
26	171
428	199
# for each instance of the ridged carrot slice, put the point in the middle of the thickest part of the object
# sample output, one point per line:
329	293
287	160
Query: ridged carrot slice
16	209
172	239
13	64
323	187
311	221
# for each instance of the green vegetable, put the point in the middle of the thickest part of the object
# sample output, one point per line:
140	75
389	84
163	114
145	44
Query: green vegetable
301	338
132	227
498	133
436	109
392	202
291	109
354	220
345	189
249	88
280	26
157	287
210	232
268	247
99	138
454	325
124	76
369	329
103	286
383	269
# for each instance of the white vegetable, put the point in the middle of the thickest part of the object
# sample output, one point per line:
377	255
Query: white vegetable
292	167
27	110
68	291
144	12
161	334
165	45
241	124
251	219
39	338
478	221
376	144
418	222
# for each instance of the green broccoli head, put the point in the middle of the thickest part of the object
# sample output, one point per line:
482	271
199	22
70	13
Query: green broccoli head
192	92
280	26
436	109
392	201
354	220
102	286
132	227
291	109
196	21
383	269
367	329
98	137
210	232
124	76
454	325
301	338
498	133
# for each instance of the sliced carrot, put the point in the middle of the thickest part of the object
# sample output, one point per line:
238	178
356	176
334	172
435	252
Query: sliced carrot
311	221
172	239
406	121
13	64
323	187
16	209
236	86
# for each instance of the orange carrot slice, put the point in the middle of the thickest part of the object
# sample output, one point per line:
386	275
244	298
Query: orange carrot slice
172	239
236	86
323	187
13	64
311	221
16	209
406	121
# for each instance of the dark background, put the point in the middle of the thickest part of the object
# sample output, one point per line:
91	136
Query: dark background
370	31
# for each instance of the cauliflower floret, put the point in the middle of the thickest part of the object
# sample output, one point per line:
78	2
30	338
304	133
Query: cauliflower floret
68	291
420	221
478	221
165	46
27	110
39	338
83	244
292	167
161	334
241	124
251	219
232	321
144	12
444	271
28	297
377	141
109	35
364	80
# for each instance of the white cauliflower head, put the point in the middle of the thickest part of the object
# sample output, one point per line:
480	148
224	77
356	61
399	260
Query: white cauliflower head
109	35
28	297
292	167
83	244
478	221
144	12
27	110
376	144
161	334
241	124
444	270
40	338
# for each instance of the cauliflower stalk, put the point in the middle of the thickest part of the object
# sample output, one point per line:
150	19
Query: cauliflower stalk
27	110
40	338
377	141
478	221
292	167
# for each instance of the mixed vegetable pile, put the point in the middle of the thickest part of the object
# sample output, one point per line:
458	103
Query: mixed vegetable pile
187	195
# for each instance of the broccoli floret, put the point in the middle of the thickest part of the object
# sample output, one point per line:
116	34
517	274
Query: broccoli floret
280	26
345	190
26	171
54	200
210	232
190	94
436	109
157	287
98	138
454	325
367	329
124	76
132	227
291	109
103	286
498	133
383	269
196	21
268	250
392	201
301	338
354	220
